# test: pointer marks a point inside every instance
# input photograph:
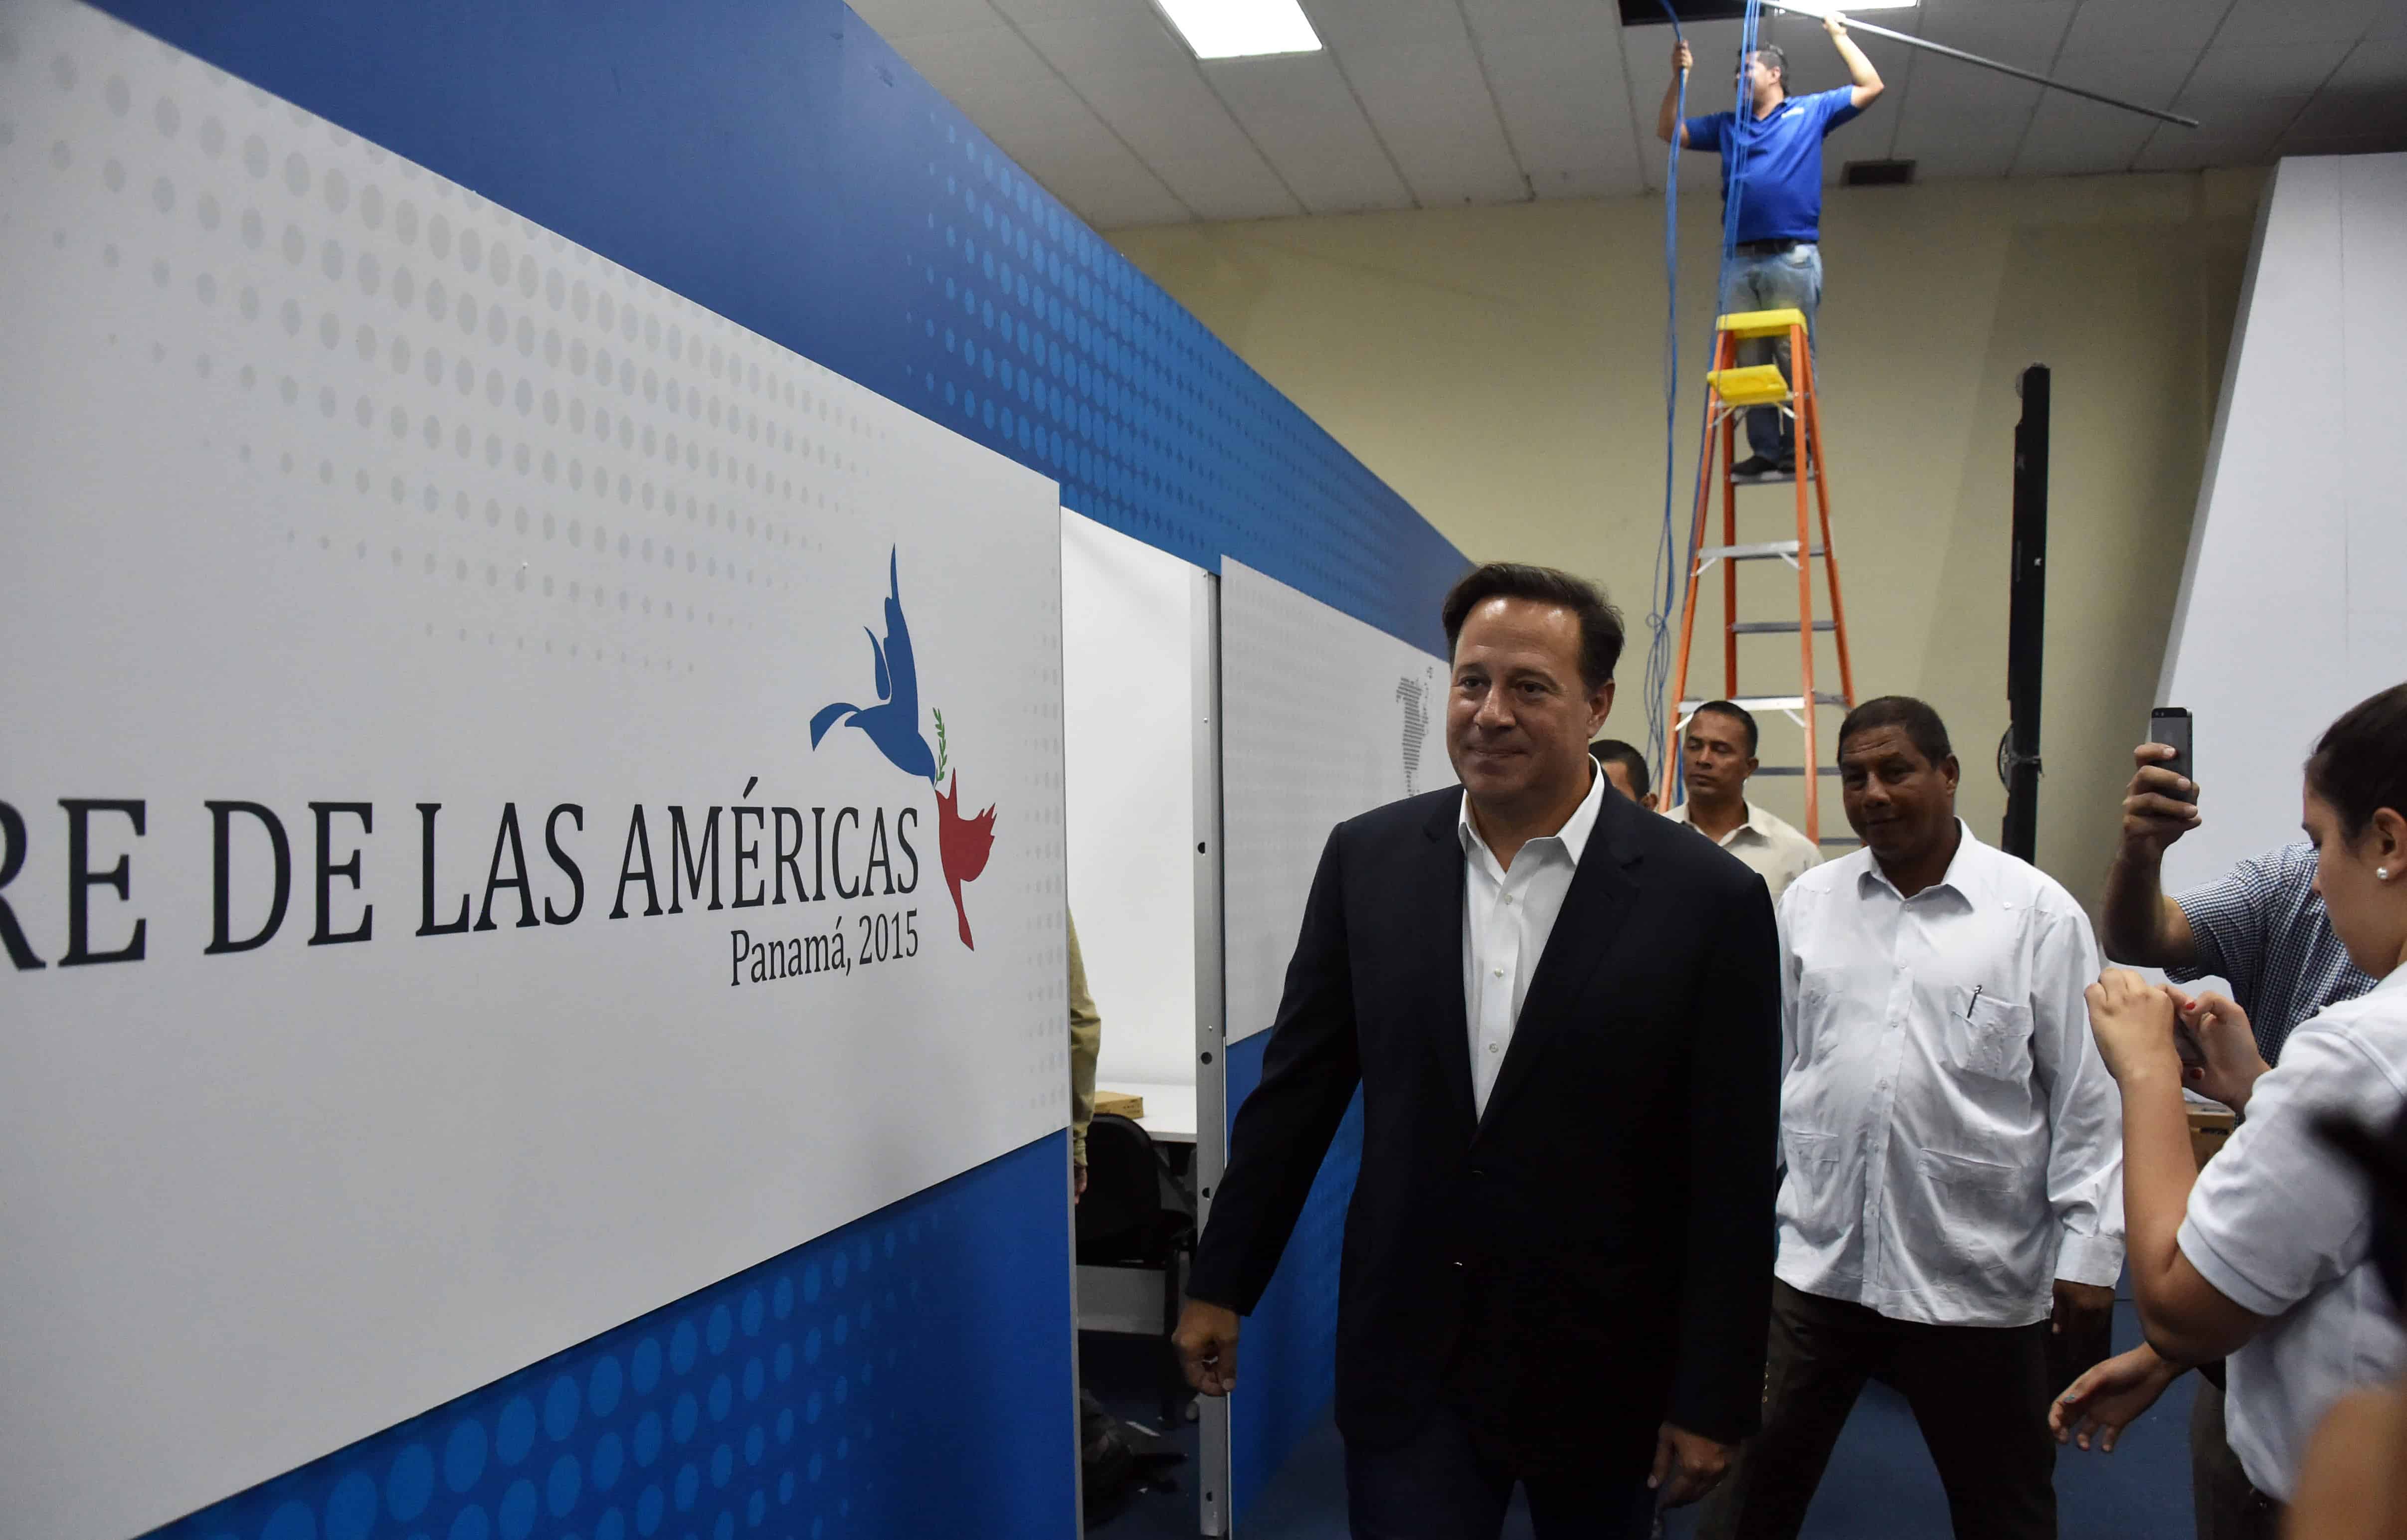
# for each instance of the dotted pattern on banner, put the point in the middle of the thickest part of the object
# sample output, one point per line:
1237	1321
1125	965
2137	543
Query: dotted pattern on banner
900	247
814	1396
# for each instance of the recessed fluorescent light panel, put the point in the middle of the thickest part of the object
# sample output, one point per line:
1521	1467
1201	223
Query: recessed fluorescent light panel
1242	29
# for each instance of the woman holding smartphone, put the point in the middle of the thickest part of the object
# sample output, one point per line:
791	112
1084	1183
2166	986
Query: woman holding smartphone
2265	1256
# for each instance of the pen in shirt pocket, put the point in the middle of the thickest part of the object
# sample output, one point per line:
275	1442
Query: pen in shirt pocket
1969	1005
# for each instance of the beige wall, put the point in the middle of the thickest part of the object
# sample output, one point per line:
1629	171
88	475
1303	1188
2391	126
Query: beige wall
1502	369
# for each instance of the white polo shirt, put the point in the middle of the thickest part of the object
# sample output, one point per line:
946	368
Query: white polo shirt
1767	843
2281	1224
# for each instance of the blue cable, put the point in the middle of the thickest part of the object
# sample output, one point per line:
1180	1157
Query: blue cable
1668	585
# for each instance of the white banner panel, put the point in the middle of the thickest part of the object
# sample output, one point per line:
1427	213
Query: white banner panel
1128	734
1322	717
474	868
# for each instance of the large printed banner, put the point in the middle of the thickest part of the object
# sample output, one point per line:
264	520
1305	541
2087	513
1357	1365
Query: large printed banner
521	798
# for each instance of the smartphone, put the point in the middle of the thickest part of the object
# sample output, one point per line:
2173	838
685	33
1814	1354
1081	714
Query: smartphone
2170	725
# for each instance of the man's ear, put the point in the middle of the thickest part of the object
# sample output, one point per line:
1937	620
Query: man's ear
1600	706
1951	771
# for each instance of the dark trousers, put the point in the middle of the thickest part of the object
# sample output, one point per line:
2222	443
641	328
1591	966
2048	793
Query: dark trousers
1450	1482
2226	1504
1979	1393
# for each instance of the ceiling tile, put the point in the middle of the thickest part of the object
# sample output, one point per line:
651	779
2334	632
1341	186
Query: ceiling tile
1492	21
2285	70
2263	23
898	20
1035	14
2026	33
1298	110
2071	136
1349	24
1430	105
1165	114
983	64
1140	40
1229	187
2366	96
2143	26
1567	110
1964	121
2236	131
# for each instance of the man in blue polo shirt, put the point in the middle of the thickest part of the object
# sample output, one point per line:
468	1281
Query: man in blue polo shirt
1777	263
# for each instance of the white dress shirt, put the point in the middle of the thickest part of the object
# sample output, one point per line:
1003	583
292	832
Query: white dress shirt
1507	919
1766	842
2280	1223
1954	1143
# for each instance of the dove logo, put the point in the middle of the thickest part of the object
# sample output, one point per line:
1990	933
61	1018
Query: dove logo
962	844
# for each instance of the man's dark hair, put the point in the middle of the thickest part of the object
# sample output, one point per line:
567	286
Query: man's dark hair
1614	751
1923	728
2361	763
1599	623
1772	53
1738	714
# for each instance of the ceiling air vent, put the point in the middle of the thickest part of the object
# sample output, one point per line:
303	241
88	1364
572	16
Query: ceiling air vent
1878	173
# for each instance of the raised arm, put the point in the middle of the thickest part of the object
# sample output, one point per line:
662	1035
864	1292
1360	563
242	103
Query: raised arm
2138	923
1859	68
1667	123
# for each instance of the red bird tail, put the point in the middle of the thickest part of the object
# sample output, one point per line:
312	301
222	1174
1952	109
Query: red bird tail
964	844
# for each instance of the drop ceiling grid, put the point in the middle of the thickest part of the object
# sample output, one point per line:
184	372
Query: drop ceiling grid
1439	103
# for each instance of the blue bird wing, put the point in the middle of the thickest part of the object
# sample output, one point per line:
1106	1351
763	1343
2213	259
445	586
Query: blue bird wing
904	667
827	718
878	656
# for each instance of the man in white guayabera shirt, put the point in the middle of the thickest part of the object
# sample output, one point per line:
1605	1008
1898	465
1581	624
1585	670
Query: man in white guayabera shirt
1953	1147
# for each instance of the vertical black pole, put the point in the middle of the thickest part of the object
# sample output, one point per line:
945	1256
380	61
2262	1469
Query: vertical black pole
2027	619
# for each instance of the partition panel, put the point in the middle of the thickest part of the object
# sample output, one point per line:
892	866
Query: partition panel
1322	717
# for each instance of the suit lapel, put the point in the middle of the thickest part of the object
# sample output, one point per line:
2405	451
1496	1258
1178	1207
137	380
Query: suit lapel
1431	938
1594	908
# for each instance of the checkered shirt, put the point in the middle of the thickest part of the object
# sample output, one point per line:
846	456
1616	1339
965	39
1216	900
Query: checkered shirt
2261	928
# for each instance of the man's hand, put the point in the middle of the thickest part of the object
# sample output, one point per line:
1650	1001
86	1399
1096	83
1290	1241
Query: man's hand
2227	1043
1078	1182
2081	1306
1686	1466
2159	806
1835	24
1206	1343
1682	60
2110	1397
2133	1020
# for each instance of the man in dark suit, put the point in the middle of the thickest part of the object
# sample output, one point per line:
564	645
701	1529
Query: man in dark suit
1563	1014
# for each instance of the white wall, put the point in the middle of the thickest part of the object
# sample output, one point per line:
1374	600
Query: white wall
1129	723
2301	522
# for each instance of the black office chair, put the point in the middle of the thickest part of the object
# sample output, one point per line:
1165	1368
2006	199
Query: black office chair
1136	1214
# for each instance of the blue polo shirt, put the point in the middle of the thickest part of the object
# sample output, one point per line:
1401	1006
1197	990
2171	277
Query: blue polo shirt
1783	198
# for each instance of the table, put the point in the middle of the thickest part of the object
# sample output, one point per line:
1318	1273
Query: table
1169	1110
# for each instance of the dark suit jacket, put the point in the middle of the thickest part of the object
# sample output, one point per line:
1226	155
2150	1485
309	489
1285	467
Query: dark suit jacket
1593	1256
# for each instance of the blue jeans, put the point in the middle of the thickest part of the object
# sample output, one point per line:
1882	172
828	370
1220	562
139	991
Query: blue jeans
1784	280
1449	1483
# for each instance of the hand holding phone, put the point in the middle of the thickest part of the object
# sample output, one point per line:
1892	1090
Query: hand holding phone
2170	726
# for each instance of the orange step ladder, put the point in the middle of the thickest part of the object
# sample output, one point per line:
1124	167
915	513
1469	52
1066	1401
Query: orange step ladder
1731	392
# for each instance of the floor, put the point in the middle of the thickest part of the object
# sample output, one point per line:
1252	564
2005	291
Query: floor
1880	1482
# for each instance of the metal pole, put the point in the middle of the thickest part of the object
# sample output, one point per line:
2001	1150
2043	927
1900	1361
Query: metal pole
1925	44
